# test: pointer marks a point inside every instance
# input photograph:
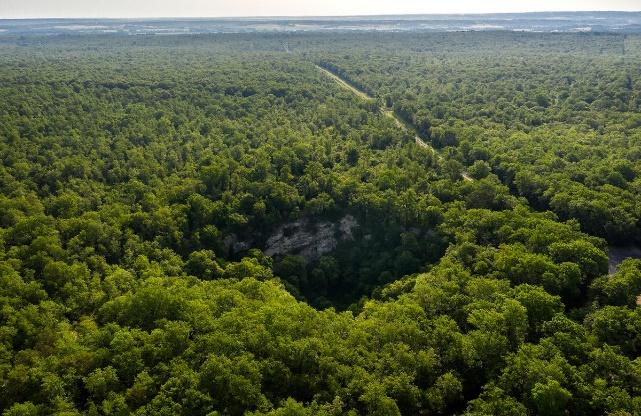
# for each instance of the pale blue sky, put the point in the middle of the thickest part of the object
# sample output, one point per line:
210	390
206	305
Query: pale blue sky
217	8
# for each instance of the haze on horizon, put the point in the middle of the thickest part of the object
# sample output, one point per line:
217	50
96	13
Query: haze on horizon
17	9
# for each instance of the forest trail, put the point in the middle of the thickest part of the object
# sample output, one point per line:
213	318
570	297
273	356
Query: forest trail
387	112
345	84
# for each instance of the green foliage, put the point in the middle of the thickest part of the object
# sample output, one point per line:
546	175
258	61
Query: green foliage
553	116
139	192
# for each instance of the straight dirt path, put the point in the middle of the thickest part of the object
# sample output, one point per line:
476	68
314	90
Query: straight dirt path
345	84
389	113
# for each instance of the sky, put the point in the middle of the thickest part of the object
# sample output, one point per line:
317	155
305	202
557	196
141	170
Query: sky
231	8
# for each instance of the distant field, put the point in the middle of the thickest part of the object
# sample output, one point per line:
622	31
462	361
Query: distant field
622	22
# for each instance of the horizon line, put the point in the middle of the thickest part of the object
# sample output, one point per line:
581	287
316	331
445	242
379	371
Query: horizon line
314	16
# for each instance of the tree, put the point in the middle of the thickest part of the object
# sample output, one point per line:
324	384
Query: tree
204	265
550	398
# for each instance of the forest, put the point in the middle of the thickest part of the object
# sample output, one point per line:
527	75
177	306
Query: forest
211	225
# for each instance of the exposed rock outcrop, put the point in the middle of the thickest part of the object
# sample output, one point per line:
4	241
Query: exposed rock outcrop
310	240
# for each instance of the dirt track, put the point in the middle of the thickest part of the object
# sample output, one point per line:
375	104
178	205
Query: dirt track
389	113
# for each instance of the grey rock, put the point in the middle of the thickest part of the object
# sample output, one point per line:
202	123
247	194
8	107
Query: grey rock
309	240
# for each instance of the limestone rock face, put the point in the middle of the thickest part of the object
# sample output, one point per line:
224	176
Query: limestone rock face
310	240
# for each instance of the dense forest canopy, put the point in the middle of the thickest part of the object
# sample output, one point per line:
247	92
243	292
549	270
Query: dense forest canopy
556	116
210	225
